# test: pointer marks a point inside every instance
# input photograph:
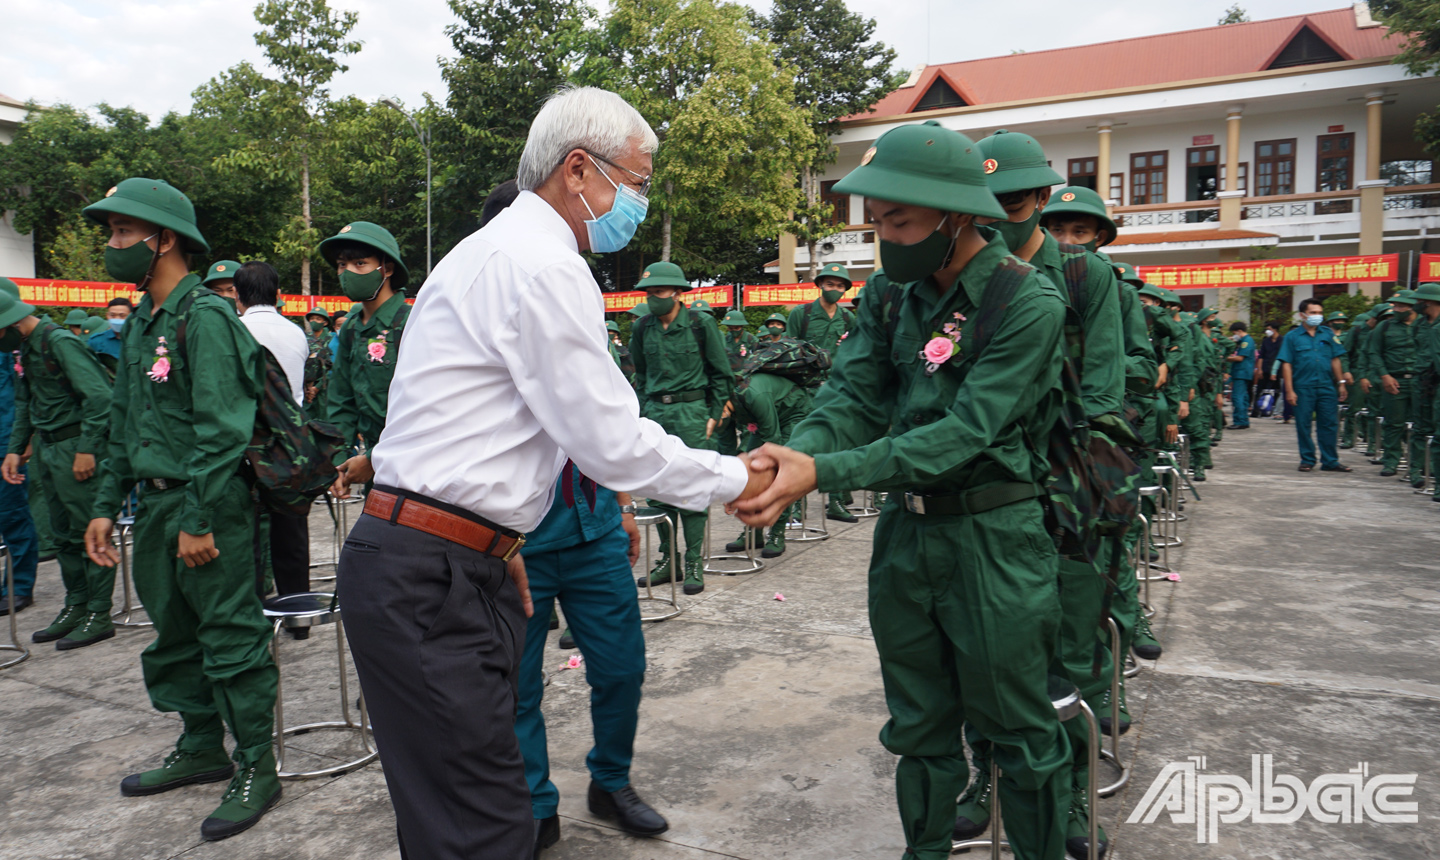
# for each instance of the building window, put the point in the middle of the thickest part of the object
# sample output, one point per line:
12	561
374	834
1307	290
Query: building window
1147	178
1407	172
940	95
1334	171
1192	303
1325	291
1306	49
1242	181
1081	172
1117	188
839	203
1274	167
1202	181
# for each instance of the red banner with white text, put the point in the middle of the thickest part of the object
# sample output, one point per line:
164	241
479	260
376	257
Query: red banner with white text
1275	273
94	294
791	294
1429	268
720	296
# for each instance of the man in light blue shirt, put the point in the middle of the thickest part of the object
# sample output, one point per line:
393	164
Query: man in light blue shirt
1242	376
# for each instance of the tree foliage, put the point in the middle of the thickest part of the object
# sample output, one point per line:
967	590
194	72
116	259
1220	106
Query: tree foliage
1417	22
1234	15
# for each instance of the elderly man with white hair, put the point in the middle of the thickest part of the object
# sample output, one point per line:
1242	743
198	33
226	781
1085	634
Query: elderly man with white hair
504	378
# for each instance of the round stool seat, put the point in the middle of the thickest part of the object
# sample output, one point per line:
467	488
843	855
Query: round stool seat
1152	491
305	609
649	517
1064	696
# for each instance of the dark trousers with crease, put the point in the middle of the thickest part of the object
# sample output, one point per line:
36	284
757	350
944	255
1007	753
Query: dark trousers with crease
436	630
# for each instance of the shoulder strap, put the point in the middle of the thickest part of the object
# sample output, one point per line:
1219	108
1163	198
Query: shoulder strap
1004	281
183	311
804	312
889	312
697	328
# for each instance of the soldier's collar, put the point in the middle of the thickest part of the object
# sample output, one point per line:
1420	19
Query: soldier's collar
385	314
975	277
172	302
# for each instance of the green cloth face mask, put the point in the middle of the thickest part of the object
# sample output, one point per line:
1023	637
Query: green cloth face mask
658	306
131	265
317	326
362	288
832	296
1017	233
907	263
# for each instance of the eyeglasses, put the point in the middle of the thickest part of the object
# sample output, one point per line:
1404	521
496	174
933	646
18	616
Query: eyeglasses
643	190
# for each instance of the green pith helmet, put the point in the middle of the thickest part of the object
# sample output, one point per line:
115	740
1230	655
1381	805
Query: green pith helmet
834	270
1079	200
780	318
1428	292
1337	315
1363	317
92	325
373	236
612	326
1187	316
1016	162
153	200
640	310
223	270
10	287
700	306
1152	291
1205	314
735	317
664	275
1382	310
924	165
1171	297
1403	297
318	311
12	310
76	317
1126	272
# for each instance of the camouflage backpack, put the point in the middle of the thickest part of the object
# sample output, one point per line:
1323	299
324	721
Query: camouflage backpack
799	361
290	453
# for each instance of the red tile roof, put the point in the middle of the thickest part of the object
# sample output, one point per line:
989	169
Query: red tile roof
1232	49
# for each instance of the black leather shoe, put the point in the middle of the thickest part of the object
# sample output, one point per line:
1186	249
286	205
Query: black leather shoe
547	833
1387	473
625	807
21	602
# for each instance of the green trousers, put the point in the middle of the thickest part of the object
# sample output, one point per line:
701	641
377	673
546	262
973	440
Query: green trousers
40	512
727	437
1352	428
210	660
965	613
1422	412
687	421
1395	409
69	503
1196	425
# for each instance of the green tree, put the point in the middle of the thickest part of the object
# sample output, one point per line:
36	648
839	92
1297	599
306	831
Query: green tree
78	252
1234	15
303	41
733	140
1418	23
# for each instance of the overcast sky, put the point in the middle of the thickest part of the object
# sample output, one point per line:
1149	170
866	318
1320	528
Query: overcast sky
152	55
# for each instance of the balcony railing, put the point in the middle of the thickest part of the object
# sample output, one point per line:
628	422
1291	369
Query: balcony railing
1320	203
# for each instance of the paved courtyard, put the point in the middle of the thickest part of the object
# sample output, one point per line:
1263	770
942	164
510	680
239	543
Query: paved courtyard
1304	626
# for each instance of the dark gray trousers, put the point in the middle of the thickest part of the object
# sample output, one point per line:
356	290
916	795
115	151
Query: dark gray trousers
436	630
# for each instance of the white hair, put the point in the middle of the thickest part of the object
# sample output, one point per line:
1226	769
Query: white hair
581	118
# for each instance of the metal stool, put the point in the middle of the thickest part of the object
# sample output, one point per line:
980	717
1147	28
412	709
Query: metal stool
1143	562
125	537
752	564
340	514
1112	755
1168	519
868	507
1380	436
1405	449
1068	705
1429	488
807	532
655	518
337	537
1183	466
302	611
1132	666
1372	432
21	652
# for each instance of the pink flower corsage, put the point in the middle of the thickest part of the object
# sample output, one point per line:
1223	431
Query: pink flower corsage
160	370
942	346
376	350
19	368
752	427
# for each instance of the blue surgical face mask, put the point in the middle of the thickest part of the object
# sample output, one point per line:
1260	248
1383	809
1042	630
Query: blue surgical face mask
614	230
1314	320
116	324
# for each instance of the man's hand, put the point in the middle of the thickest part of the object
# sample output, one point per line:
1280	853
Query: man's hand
1220	400
356	470
710	425
311	392
627	522
196	550
97	542
516	568
1291	398
1349	378
1172	433
1390	384
728	410
84	466
1365	385
1184	411
1164	375
794	477
10	471
1343	390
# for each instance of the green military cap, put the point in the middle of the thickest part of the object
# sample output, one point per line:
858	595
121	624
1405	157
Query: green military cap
735	317
153	200
1187	316
924	165
664	275
1171	297
1205	314
92	325
1079	200
701	306
640	310
222	270
834	270
76	317
1363	316
1150	290
12	310
780	318
611	325
1381	310
9	286
1337	315
373	236
1015	162
318	311
1126	272
1428	292
1403	297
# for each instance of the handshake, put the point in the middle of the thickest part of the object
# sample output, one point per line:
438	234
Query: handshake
778	476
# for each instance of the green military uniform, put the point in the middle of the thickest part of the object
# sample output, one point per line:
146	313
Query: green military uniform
76	319
618	350
1203	376
367	350
180	419
738	346
812	323
683	378
318	361
774	327
1224	348
963	602
1395	351
1429	381
62	400
1353	427
767	408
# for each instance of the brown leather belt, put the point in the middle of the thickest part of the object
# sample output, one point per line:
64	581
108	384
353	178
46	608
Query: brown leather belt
442	524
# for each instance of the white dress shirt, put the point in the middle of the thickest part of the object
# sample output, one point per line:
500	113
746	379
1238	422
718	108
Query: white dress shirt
285	341
504	372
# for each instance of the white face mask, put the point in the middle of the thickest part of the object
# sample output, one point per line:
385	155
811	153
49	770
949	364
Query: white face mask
1236	337
1269	332
1314	320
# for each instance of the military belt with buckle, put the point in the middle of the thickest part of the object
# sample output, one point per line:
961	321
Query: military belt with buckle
162	483
973	502
681	397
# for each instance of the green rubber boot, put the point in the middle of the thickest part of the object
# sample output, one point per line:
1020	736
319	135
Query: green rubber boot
775	546
1104	711
69	618
1077	828
739	544
660	573
694	577
253	790
836	510
1199	472
567	642
96	627
1145	646
181	767
972	811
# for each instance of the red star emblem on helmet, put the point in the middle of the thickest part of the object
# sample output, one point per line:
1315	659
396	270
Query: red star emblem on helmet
991	165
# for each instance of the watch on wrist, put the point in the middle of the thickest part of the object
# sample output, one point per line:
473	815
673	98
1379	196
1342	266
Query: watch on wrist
627	509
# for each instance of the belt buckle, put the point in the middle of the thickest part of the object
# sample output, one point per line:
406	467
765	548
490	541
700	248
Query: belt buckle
160	483
667	398
915	504
519	542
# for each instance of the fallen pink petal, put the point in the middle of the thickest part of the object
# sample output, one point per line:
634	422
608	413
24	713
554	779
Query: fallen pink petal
1174	577
780	597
